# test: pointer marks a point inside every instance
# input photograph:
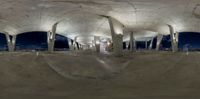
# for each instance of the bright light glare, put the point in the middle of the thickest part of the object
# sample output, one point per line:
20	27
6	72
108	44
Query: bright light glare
108	43
97	42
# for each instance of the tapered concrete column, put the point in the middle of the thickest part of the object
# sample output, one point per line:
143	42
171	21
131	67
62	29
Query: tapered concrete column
159	39
74	44
51	41
176	40
173	39
88	46
151	44
51	38
80	47
11	42
146	44
70	44
97	43
135	44
127	44
109	45
131	42
177	35
116	29
118	45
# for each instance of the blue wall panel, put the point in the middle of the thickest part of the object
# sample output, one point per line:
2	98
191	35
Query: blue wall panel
190	40
61	43
32	41
166	43
3	42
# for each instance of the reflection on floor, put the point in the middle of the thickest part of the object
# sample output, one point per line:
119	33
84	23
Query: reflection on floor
66	75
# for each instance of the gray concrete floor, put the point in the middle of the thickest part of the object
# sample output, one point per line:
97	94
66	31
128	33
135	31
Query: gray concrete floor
144	75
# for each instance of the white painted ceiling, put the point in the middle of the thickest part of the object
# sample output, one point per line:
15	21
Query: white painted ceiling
81	17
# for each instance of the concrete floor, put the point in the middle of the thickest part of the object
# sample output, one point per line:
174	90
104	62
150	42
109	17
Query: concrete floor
144	75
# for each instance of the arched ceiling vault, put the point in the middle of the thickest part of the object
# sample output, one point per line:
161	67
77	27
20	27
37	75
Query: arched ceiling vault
80	17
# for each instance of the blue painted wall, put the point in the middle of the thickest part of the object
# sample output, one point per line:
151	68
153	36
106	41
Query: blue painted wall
61	43
166	43
3	42
190	40
38	41
154	43
142	44
32	41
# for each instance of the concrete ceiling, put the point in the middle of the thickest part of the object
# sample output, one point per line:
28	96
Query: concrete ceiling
81	17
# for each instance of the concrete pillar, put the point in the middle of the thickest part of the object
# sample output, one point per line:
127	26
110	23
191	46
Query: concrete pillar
177	35
135	44
127	44
70	44
131	42
97	43
11	42
74	44
173	39
115	28
176	40
80	47
88	46
146	44
51	38
51	41
109	47
151	44
118	45
159	39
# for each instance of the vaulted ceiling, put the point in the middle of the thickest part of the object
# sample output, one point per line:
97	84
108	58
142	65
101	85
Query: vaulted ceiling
82	17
